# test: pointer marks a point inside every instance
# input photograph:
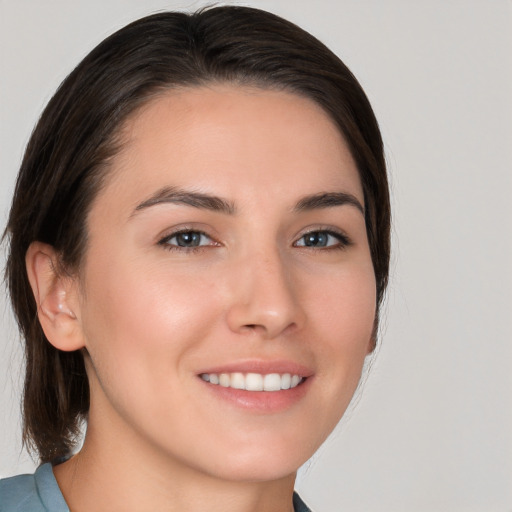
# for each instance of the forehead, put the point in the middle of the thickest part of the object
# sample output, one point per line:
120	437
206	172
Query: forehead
235	139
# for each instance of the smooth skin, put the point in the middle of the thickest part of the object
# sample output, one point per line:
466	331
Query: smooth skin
171	286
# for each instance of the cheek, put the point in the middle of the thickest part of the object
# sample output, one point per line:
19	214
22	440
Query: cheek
141	297
347	305
139	321
344	317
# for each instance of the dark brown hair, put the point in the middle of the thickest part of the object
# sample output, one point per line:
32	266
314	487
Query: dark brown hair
69	150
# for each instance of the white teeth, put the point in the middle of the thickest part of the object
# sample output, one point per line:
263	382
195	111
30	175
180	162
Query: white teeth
272	382
237	381
254	381
224	380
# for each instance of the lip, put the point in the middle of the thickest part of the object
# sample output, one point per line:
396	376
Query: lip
261	366
260	402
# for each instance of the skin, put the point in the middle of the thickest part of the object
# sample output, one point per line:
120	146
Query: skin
151	315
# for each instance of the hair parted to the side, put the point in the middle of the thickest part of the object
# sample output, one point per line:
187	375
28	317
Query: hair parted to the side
69	151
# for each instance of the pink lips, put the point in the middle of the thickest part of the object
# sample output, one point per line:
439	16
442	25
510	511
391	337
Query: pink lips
260	366
260	401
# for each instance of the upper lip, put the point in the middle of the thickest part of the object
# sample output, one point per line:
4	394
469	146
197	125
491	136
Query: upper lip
260	366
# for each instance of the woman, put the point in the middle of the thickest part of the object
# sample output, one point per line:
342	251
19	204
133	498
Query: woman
199	244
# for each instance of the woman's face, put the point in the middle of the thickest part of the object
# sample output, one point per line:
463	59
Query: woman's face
228	245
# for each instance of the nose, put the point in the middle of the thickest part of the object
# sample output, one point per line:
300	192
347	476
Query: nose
265	297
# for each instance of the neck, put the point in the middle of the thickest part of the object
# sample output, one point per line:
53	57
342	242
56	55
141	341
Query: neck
117	474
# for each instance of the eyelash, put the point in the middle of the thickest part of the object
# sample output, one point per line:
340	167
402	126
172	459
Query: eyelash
164	242
342	241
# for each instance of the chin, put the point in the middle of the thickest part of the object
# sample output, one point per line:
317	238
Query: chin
256	471
258	462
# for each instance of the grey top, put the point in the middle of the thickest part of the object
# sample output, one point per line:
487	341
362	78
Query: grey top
40	493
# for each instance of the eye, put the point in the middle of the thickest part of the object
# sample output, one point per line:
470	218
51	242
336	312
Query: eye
323	239
186	239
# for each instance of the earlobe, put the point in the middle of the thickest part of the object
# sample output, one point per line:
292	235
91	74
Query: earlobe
56	296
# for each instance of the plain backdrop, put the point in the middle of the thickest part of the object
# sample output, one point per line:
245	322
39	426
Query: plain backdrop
432	429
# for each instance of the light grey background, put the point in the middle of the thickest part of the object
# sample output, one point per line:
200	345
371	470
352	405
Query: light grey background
433	427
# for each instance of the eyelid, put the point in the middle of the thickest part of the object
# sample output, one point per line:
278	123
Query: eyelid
343	239
185	227
163	240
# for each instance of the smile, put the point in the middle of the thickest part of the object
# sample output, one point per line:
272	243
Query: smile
254	381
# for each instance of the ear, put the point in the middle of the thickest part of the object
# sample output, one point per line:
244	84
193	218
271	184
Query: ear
56	296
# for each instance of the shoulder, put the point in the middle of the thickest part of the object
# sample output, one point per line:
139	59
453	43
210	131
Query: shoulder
19	493
299	505
38	492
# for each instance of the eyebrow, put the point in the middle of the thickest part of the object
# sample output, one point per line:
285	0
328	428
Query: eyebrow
328	200
217	204
190	198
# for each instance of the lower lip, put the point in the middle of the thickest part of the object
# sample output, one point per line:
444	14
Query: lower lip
261	401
